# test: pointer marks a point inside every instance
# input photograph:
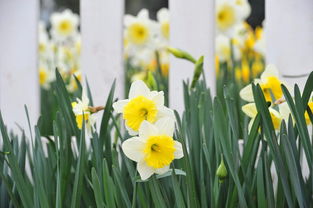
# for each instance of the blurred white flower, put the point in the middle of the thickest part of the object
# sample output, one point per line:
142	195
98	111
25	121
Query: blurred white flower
227	16
222	47
244	8
163	18
46	76
64	25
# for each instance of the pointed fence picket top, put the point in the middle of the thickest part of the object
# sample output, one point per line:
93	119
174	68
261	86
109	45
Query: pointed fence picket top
18	61
102	46
192	29
289	38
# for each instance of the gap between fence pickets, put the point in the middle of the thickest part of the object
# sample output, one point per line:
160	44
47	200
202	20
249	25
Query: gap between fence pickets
193	30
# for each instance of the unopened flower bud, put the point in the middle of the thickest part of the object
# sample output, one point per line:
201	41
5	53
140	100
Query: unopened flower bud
197	72
181	54
221	172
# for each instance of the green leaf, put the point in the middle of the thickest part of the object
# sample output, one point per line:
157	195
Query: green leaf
96	188
79	171
23	189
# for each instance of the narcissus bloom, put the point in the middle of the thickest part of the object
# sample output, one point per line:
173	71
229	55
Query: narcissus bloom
139	30
64	25
46	76
142	105
226	16
222	47
81	111
163	17
154	149
251	111
269	83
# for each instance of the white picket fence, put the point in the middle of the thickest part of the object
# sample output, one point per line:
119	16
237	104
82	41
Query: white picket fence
289	25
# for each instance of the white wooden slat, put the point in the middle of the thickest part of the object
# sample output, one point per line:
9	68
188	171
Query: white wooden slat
18	61
102	46
192	28
289	37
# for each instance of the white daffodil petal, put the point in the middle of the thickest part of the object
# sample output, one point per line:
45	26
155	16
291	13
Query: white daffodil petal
178	150
144	171
165	126
131	131
133	148
163	15
158	98
128	19
250	124
163	170
270	71
119	105
138	88
284	111
246	93
275	113
147	129
165	112
143	14
250	110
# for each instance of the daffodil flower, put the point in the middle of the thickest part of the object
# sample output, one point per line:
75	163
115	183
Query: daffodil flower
251	111
154	149
64	25
81	111
139	30
269	83
46	76
227	16
142	105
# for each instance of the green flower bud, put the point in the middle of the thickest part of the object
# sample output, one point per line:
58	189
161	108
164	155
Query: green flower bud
181	54
221	171
198	71
151	81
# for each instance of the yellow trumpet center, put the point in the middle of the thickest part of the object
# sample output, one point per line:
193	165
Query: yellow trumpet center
139	109
165	29
272	88
65	27
306	115
159	151
226	17
138	33
42	76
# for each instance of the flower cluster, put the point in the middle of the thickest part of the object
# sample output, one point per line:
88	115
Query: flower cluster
60	48
238	47
271	87
152	125
145	43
